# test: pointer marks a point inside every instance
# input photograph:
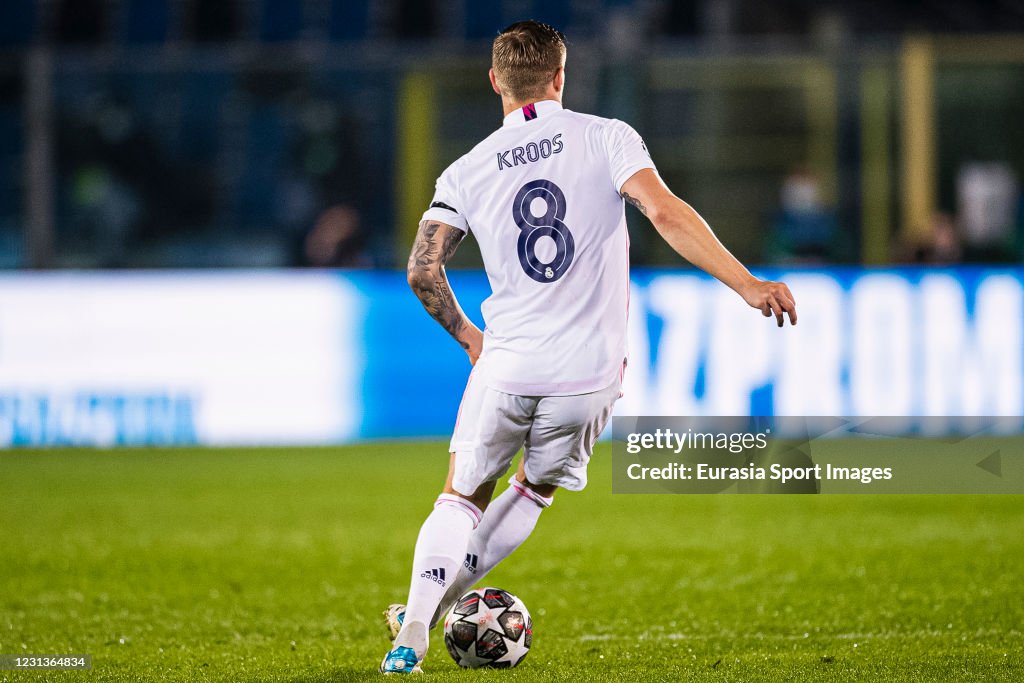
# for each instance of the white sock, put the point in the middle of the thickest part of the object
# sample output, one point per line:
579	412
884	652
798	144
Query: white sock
440	550
507	522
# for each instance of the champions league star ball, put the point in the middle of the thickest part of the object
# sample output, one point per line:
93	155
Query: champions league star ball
488	627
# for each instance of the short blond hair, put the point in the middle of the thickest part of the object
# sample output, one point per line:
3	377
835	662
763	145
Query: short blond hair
525	57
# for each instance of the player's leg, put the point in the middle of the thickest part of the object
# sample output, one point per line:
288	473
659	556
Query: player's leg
562	437
440	549
508	521
557	450
490	430
545	491
394	615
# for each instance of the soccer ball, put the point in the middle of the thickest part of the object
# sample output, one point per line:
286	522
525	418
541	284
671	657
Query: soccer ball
488	627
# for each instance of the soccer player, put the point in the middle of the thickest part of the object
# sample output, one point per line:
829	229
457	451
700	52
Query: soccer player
544	195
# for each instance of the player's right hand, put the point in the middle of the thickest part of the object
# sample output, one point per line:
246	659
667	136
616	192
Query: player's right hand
473	343
771	298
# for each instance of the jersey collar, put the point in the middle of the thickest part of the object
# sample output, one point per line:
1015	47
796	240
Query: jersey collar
531	112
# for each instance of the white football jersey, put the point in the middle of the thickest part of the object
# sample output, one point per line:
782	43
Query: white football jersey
541	195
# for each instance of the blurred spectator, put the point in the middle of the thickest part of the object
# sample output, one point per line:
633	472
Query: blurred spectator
120	186
107	209
987	197
337	240
1020	227
940	245
804	230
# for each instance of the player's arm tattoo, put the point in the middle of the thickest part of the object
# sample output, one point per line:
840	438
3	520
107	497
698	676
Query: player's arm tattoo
435	243
635	202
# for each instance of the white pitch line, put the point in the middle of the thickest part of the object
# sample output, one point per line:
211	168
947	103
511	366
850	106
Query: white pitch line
887	635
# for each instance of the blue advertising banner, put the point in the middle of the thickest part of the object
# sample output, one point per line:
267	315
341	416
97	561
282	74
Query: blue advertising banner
322	357
907	341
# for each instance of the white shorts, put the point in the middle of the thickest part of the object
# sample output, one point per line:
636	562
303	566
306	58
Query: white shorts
556	432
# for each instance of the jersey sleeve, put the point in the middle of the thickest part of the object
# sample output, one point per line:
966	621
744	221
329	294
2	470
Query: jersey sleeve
627	152
446	206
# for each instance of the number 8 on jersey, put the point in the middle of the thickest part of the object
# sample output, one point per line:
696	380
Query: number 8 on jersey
532	227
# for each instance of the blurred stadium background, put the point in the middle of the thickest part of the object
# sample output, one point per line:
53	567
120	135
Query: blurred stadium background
205	210
167	165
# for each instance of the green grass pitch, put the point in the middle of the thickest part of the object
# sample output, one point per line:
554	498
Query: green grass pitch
274	565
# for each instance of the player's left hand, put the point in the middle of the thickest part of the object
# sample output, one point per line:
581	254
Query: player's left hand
771	298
